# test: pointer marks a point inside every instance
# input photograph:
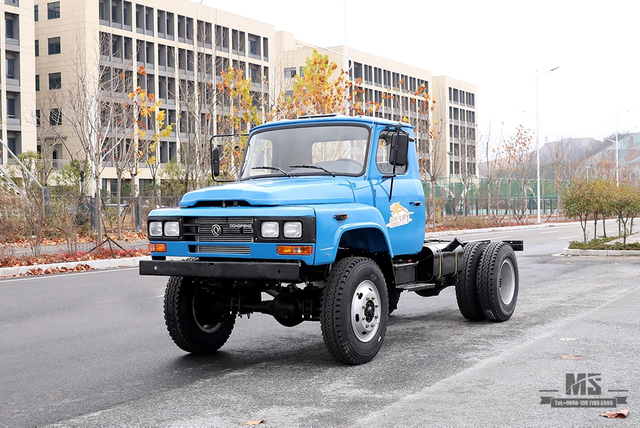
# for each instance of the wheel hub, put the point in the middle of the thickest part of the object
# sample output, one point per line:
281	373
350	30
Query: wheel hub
507	286
365	311
203	313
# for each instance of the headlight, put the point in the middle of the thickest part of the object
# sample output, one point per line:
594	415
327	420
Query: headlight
270	229
171	228
155	228
293	229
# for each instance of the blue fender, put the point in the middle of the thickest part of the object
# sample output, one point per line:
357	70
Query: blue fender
363	228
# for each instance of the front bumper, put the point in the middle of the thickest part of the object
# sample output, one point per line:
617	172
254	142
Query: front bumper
236	270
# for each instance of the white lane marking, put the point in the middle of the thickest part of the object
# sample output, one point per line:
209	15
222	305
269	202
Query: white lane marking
497	238
569	237
551	231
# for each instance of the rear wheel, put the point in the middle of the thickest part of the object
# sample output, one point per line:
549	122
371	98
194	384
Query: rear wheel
467	293
498	281
355	310
194	318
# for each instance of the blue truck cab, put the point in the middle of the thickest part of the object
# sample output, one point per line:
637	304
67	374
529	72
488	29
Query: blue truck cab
327	218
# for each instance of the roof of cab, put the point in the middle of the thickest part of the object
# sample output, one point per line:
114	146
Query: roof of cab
323	118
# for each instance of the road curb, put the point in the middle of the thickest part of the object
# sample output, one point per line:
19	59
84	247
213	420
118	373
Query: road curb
602	253
96	264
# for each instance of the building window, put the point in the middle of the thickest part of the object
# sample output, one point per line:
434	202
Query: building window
37	82
37	47
290	72
55	117
10	66
35	13
55	81
11	108
37	117
54	45
254	46
53	10
8	24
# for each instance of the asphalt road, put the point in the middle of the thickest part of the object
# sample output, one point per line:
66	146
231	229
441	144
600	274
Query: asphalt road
91	349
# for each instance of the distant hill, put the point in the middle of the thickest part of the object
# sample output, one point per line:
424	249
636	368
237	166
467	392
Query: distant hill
577	149
588	153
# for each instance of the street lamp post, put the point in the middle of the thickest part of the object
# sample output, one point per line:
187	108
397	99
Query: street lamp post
538	140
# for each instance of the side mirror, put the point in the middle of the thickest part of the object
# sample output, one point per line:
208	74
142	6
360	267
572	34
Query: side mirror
399	149
215	162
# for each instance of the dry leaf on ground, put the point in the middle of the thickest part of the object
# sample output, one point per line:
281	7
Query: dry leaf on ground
620	414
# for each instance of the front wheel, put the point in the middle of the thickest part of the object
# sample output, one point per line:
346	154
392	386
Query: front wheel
355	310
498	281
194	318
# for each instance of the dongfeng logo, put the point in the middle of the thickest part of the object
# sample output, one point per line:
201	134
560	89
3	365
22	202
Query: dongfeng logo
239	226
216	230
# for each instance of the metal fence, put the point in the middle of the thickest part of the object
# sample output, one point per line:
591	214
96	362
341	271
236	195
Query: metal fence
501	198
506	199
132	211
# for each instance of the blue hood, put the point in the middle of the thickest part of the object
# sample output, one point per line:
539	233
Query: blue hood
285	191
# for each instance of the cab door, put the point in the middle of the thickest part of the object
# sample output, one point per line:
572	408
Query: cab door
399	195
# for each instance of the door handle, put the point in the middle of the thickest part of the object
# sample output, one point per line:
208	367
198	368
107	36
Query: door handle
416	203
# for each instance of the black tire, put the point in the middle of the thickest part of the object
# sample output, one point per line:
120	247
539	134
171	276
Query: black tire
498	281
467	293
193	321
353	324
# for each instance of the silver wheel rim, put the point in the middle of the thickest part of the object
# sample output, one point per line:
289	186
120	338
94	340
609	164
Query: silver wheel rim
365	311
507	282
205	320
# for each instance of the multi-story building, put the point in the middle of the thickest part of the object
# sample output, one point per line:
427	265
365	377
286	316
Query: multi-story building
173	48
389	90
170	48
17	83
456	107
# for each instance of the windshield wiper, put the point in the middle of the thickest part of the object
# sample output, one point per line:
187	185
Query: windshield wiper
313	167
272	168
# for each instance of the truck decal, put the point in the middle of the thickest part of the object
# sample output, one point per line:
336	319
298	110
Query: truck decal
399	216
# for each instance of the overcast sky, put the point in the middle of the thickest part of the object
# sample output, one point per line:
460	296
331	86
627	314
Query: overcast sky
497	45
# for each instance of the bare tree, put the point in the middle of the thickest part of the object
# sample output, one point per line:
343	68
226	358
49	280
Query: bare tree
88	112
437	158
521	160
489	168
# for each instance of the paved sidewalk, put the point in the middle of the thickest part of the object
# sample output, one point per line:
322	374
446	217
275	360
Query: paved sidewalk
142	244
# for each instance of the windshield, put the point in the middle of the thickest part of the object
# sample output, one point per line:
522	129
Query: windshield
310	150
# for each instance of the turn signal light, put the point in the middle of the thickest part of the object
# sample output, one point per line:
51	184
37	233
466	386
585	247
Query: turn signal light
294	250
158	248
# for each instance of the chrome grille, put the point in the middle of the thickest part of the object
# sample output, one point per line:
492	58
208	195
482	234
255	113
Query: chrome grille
227	249
231	229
